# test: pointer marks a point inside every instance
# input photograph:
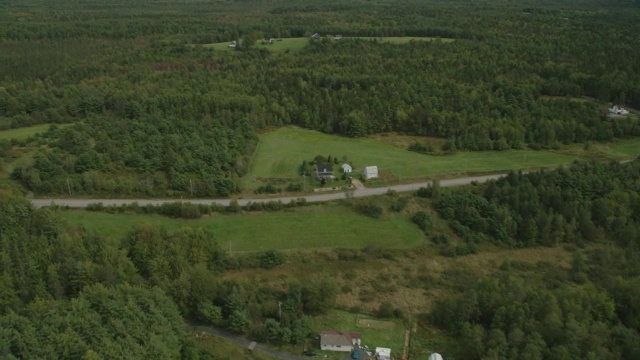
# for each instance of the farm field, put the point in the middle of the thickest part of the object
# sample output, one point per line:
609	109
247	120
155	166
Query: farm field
312	227
23	133
296	44
281	152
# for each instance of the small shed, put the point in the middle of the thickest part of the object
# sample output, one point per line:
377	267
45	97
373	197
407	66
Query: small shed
315	36
383	353
370	172
435	356
347	168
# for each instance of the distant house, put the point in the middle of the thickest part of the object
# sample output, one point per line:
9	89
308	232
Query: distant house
370	172
324	171
315	36
347	168
268	41
618	110
233	44
435	356
339	340
383	353
338	37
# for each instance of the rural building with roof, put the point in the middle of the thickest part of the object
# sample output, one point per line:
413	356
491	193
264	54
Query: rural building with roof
324	171
370	172
333	340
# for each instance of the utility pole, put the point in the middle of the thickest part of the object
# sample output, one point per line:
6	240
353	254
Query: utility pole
280	311
69	186
191	187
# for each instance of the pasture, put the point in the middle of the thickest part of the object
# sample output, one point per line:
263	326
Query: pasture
23	133
312	227
281	152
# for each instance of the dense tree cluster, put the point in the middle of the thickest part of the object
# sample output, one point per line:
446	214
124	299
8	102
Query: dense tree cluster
583	312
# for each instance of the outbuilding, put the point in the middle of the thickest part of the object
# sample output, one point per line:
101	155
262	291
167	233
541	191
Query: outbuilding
370	172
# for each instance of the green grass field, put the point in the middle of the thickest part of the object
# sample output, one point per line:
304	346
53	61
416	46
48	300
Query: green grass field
281	152
312	227
630	147
295	44
390	335
23	133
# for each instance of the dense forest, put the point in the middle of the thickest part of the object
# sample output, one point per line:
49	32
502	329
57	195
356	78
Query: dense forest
153	114
589	311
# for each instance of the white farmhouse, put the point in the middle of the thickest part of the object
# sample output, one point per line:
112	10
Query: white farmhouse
339	340
618	110
370	172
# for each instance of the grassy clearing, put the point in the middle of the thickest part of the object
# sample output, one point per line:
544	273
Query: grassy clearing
296	44
630	147
391	335
23	133
281	152
313	227
221	348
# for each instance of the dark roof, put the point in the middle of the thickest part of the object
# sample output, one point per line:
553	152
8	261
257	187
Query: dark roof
324	168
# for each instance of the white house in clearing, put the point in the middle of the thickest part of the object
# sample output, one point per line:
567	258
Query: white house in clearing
618	110
339	340
383	353
370	172
347	168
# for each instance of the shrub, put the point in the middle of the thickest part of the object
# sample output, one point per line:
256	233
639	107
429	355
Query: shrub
422	219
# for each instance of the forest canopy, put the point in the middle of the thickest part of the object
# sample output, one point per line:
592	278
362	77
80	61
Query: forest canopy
156	114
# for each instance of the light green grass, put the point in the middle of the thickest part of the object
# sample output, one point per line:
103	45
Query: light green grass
313	227
630	147
23	133
291	44
295	44
281	152
403	39
345	321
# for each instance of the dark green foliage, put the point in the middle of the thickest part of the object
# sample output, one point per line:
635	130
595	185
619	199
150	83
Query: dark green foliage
270	259
422	219
369	208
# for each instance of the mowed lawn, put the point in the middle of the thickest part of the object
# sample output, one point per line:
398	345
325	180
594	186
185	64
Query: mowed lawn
23	133
312	227
629	147
281	152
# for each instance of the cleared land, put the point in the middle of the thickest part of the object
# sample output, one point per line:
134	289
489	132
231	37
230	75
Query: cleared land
281	152
23	133
295	44
313	227
391	335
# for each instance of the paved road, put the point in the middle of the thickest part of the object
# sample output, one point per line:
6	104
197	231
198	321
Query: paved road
82	203
244	342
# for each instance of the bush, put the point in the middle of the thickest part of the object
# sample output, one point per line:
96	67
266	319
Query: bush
422	219
270	259
385	310
370	210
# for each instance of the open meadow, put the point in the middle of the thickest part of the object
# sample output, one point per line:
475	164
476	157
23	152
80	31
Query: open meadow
24	132
296	44
281	152
312	227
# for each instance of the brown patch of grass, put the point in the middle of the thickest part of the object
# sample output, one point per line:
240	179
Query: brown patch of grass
376	324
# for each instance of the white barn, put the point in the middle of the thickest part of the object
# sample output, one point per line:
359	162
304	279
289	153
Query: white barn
339	340
370	172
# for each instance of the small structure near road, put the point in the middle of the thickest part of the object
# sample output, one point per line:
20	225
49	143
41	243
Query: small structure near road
347	168
370	172
435	356
340	340
383	353
233	44
251	346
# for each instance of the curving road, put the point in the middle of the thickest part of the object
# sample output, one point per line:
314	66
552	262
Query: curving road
82	203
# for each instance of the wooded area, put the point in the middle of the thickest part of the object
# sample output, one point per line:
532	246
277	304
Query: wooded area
139	108
154	115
